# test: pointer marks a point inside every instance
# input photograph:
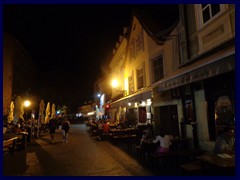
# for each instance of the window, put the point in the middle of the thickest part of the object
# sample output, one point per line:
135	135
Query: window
136	45
209	11
142	114
130	85
140	78
132	49
139	43
188	110
158	68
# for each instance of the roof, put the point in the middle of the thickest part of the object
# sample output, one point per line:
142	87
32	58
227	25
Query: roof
158	22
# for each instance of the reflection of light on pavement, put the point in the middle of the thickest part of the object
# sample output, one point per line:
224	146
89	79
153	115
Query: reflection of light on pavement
34	167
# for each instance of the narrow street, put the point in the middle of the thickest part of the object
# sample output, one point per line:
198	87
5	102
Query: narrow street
83	155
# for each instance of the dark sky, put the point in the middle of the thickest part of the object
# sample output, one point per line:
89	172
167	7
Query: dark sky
68	43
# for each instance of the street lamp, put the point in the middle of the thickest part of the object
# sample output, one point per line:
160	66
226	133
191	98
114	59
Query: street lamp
27	103
115	85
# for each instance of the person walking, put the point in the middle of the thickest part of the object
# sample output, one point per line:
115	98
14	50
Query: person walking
52	129
65	130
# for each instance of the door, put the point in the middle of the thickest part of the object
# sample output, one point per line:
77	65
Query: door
169	119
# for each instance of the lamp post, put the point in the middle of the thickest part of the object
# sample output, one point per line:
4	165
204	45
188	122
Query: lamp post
26	104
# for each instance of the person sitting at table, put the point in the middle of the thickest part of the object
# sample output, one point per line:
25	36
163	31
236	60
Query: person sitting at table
16	129
225	143
164	142
105	129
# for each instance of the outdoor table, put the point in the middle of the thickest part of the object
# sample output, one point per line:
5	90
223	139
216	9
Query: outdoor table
120	133
223	164
220	160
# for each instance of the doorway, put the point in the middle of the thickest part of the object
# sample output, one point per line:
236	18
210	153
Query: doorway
168	116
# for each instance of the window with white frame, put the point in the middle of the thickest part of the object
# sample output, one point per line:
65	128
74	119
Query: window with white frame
207	12
158	68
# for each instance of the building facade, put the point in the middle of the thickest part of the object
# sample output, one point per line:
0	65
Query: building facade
18	71
178	75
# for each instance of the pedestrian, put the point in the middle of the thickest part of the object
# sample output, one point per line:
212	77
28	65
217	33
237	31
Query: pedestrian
65	130
52	129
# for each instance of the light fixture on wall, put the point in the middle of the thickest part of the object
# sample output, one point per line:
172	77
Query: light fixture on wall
115	85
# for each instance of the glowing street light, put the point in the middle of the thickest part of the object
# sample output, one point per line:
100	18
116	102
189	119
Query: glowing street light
114	83
27	103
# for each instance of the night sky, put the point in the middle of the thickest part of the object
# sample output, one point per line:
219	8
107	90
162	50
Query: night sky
68	43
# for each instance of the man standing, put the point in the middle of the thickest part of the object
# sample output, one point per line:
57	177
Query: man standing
52	129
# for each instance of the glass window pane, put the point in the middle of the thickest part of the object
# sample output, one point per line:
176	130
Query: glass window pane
203	6
215	9
206	15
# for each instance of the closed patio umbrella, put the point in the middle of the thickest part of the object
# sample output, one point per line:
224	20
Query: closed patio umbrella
10	116
18	110
47	113
41	111
53	115
40	115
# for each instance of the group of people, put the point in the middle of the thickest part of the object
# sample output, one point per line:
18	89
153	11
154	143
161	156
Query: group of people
225	143
65	126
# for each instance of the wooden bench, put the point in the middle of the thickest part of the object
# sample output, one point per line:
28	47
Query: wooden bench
9	145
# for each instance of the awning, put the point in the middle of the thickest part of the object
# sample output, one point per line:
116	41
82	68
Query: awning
213	69
141	95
